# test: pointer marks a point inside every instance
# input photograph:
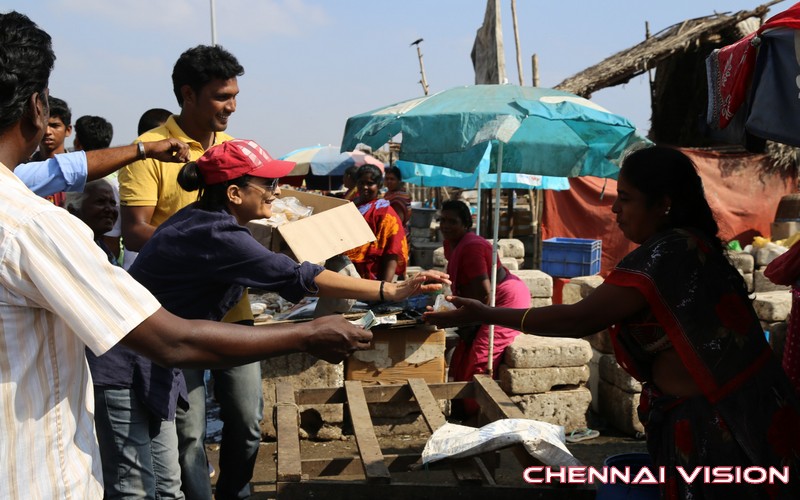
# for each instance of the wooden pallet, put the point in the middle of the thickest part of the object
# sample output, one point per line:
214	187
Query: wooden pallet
299	477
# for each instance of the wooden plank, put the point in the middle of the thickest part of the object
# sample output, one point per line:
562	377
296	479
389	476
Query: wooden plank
357	490
352	466
384	393
375	469
288	434
493	401
427	403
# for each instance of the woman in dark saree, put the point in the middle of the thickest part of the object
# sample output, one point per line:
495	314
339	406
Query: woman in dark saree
682	323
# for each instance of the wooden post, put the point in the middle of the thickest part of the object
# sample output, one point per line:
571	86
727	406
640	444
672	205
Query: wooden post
535	67
422	81
516	41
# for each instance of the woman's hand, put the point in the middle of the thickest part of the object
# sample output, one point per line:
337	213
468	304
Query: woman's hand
467	312
426	281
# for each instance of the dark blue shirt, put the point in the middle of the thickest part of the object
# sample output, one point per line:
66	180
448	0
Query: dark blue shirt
197	264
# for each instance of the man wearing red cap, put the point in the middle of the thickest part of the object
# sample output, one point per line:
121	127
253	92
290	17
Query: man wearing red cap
205	84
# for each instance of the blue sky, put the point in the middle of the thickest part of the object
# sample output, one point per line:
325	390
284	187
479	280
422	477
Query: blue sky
310	64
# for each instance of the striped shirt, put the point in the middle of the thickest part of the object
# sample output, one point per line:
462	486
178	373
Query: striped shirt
58	294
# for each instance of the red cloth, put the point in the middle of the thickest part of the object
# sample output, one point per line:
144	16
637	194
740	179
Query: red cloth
743	193
390	239
731	68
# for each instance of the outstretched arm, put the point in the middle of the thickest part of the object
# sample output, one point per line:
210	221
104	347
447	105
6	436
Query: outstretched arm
345	287
172	341
102	162
607	305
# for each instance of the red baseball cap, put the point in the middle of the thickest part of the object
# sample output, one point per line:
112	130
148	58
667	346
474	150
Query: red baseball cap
233	159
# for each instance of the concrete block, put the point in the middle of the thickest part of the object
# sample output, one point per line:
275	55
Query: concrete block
303	371
579	287
762	284
611	372
773	306
541	301
748	280
743	261
539	380
768	253
619	408
594	379
540	284
601	341
510	262
533	351
567	407
511	248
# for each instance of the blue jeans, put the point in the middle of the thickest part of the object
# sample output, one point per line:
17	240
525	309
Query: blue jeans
139	451
238	392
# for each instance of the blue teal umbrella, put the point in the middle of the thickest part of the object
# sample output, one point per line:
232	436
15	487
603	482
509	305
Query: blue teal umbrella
327	160
542	131
532	130
421	174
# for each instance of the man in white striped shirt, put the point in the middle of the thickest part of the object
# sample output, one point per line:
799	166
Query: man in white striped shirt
58	294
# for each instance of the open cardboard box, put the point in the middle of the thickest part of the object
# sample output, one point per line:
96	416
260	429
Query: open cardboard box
334	227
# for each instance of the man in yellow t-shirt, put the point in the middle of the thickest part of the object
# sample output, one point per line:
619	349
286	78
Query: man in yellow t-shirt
205	84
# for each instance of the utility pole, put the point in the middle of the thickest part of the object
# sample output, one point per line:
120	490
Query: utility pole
516	41
421	66
213	24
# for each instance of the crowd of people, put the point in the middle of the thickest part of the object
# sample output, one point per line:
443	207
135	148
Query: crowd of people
119	291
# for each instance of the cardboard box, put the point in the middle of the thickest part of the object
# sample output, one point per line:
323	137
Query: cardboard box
335	226
398	354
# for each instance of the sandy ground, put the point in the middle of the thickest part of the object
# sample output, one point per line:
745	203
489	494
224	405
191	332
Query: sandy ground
592	452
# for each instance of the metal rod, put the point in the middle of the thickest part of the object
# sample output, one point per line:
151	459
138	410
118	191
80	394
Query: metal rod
496	237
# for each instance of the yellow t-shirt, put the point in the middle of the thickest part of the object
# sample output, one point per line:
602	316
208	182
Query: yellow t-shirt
153	183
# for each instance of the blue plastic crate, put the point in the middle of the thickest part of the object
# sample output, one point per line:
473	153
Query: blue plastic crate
570	257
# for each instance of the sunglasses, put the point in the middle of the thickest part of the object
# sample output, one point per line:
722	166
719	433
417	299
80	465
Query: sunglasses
269	188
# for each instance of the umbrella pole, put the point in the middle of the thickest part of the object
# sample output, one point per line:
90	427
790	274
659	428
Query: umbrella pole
493	293
478	189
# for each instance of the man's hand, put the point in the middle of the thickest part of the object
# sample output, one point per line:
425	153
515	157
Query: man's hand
171	150
333	338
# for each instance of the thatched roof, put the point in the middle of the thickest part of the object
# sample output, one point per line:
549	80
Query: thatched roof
624	65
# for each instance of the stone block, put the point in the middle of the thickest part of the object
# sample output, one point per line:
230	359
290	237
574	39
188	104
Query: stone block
601	341
511	248
566	407
571	293
611	372
743	261
510	263
748	280
540	284
585	286
541	301
773	306
539	380
768	253
303	371
533	351
619	408
762	284
594	379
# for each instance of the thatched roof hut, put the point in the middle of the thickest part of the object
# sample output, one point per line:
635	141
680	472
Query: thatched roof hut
679	87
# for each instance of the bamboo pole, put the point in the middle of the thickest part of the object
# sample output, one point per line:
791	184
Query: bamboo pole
535	67
423	80
516	41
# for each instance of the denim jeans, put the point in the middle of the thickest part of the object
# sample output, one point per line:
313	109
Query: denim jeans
238	392
139	451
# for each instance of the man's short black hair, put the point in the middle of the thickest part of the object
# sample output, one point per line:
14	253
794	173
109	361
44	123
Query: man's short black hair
93	132
153	118
199	65
27	59
60	109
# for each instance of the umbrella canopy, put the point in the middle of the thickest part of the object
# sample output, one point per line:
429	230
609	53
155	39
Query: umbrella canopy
327	160
752	83
433	176
543	131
